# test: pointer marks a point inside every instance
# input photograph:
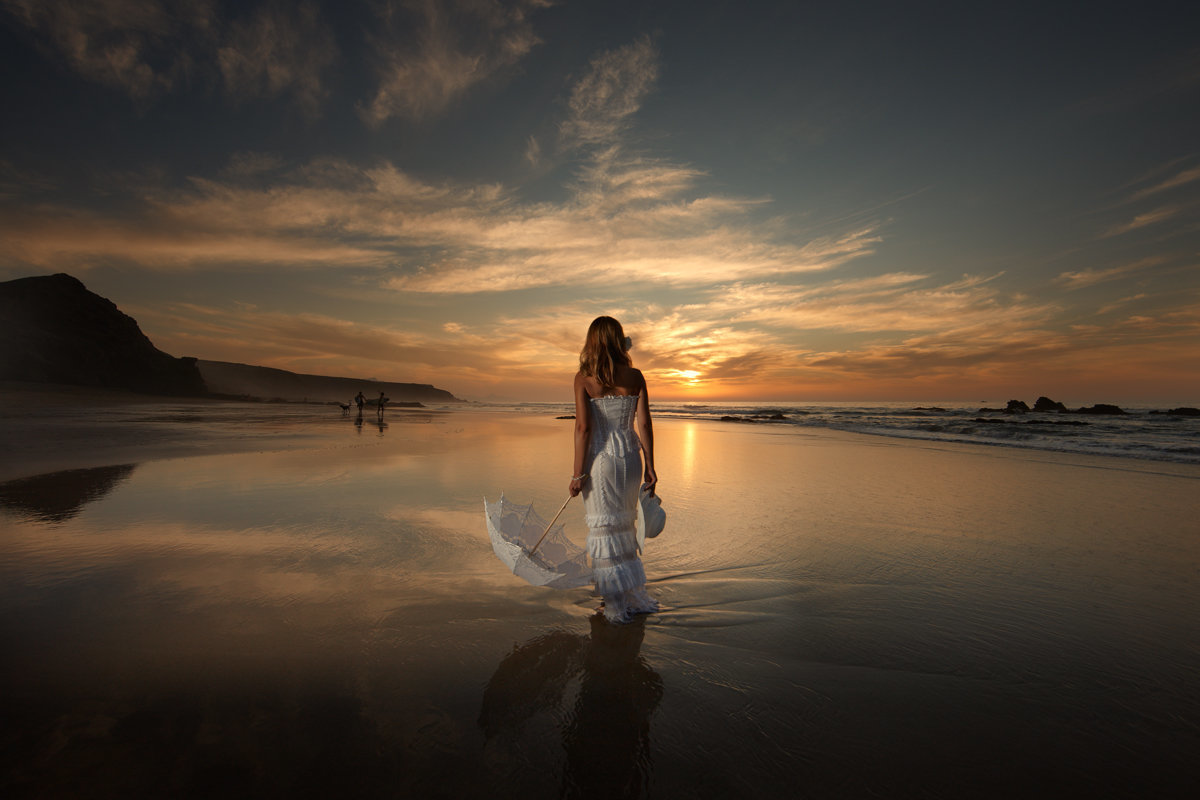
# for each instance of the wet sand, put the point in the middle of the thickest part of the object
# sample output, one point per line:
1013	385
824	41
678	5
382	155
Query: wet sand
250	601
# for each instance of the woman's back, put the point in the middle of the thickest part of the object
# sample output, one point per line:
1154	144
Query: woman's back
626	381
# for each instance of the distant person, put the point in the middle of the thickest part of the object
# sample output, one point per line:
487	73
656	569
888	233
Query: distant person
361	400
612	423
382	402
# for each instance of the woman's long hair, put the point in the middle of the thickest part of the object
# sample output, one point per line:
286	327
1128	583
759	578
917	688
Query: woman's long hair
603	349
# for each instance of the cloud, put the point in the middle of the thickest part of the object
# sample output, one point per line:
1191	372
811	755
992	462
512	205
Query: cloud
141	48
894	302
1080	279
1181	178
147	48
604	100
533	151
1142	220
770	339
652	226
279	49
429	53
1120	303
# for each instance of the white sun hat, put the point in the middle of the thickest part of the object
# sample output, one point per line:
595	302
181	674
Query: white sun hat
650	517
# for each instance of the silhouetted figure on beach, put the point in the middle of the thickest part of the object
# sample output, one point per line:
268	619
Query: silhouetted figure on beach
382	403
361	400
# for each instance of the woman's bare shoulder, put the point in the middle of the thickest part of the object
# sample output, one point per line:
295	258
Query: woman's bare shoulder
588	383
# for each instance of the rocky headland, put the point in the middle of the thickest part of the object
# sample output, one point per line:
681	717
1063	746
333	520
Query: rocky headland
246	382
56	331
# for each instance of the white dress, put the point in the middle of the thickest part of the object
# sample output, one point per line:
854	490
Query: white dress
610	497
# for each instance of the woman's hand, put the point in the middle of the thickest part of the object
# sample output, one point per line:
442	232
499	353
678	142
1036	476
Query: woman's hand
650	481
576	485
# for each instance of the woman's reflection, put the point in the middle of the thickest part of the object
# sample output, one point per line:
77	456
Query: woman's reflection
605	726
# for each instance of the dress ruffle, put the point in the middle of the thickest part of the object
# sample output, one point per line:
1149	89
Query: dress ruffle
623	607
607	543
622	576
606	520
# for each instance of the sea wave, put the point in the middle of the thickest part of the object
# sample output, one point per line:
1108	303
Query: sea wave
1142	433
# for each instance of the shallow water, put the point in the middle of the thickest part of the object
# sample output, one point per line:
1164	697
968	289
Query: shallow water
843	616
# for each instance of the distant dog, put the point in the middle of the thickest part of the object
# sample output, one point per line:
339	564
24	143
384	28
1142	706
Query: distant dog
345	406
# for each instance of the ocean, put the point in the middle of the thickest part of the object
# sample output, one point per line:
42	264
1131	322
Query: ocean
1143	432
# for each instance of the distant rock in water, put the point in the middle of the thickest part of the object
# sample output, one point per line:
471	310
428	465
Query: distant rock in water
1184	411
1046	404
1100	408
266	383
56	331
1013	407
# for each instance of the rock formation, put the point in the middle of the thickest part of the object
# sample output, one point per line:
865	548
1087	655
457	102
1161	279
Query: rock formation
1101	408
55	331
1013	407
1046	404
266	383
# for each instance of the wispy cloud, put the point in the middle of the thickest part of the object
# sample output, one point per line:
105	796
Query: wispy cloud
1181	178
279	49
141	48
1080	279
147	48
1120	303
1142	220
654	224
431	52
604	100
778	340
630	218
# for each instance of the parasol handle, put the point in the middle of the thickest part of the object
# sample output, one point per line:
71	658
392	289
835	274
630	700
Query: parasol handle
551	525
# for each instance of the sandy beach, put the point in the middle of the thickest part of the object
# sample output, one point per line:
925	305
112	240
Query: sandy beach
203	599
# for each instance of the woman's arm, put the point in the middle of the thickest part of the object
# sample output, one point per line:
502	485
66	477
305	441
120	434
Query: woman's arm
645	432
583	435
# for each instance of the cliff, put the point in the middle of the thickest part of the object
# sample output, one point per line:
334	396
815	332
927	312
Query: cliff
243	380
55	331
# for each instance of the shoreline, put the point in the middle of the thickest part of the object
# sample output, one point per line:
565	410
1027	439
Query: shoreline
58	428
51	428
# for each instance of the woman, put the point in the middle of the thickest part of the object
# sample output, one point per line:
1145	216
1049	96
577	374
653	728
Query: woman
612	422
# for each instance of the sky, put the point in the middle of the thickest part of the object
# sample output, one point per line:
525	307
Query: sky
792	201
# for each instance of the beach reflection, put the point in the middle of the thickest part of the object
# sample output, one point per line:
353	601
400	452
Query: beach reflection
59	496
319	614
601	693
